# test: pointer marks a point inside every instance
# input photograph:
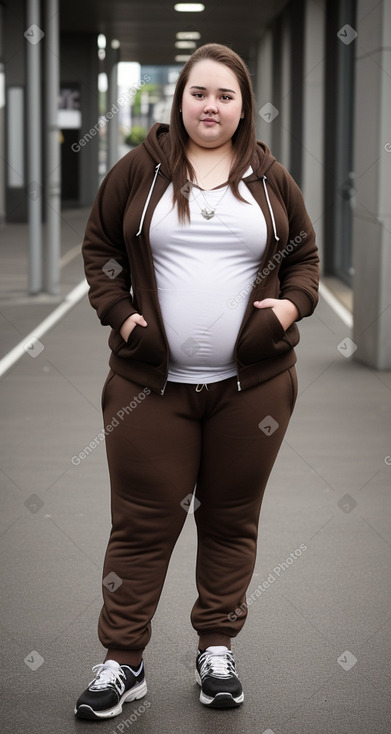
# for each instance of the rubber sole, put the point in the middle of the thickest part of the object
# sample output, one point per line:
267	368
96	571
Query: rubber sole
86	712
220	700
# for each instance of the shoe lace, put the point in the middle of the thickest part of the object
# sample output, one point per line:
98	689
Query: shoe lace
105	677
217	664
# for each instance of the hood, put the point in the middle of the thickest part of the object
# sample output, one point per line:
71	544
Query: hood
157	144
262	161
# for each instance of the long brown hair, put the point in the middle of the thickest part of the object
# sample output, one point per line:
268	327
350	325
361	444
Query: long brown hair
243	140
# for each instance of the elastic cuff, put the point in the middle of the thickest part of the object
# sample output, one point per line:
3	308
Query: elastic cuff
211	638
117	314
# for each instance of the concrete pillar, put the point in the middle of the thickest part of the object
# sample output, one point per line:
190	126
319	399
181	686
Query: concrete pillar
285	91
275	125
296	14
2	122
80	68
313	114
14	53
372	159
33	35
264	87
53	156
113	153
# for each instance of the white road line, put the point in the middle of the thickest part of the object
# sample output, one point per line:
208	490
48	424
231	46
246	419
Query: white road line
69	302
341	310
70	255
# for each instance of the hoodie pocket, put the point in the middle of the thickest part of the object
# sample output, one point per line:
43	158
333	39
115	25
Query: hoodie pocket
145	344
264	337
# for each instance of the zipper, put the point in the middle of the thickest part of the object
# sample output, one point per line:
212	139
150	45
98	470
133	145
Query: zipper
265	256
157	168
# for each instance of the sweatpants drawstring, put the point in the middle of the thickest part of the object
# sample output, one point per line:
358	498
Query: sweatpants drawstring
199	387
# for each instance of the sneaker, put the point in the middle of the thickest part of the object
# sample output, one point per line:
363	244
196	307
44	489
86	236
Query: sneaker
112	686
217	676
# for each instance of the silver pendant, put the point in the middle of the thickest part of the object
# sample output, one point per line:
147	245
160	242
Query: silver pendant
207	213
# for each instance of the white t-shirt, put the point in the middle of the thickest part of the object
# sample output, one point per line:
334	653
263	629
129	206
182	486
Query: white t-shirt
200	267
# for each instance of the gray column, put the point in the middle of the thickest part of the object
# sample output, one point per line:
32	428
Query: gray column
33	36
296	14
53	155
264	89
2	122
313	115
2	144
372	158
112	97
286	91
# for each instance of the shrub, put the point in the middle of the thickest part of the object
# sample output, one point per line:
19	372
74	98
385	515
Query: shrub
136	135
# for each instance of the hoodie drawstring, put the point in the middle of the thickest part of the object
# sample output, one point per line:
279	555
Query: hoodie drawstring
264	179
157	167
148	199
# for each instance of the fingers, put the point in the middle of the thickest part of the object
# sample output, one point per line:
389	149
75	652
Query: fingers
131	322
139	319
266	303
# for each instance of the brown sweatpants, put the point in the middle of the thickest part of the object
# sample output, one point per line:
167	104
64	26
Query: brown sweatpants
219	440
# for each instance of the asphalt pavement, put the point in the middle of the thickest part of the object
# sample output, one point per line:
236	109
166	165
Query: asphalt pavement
314	654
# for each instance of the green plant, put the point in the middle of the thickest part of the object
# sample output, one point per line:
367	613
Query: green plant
136	135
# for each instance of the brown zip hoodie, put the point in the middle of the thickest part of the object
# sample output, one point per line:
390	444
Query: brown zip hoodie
120	272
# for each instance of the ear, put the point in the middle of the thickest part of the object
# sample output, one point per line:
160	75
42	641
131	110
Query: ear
242	115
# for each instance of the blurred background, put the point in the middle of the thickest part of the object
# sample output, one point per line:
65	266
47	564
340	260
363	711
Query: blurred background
321	76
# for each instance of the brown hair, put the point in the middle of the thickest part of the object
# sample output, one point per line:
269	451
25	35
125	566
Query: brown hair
243	140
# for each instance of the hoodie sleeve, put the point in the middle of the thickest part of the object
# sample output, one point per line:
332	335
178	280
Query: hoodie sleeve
106	263
299	270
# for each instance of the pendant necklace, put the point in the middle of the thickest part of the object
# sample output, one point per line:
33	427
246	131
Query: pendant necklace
207	211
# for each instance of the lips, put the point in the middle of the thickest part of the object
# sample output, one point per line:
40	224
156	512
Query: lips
209	120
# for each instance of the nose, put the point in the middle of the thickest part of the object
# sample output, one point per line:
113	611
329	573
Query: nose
210	105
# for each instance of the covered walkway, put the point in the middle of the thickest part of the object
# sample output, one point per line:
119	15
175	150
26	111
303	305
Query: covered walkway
314	655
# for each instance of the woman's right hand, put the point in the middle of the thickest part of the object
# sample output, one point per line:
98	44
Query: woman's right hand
130	323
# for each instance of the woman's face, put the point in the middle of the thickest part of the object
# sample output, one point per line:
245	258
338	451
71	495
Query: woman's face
211	104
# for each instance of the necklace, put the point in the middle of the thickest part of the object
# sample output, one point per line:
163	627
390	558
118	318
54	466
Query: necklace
207	211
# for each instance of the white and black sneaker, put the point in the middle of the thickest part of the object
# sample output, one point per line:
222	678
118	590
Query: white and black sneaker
112	686
217	676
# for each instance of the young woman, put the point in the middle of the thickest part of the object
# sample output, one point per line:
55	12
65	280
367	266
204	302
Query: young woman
201	257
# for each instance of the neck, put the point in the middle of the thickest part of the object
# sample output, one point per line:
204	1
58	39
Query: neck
211	165
198	152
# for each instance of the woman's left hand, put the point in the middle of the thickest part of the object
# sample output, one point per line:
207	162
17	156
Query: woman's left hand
284	309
